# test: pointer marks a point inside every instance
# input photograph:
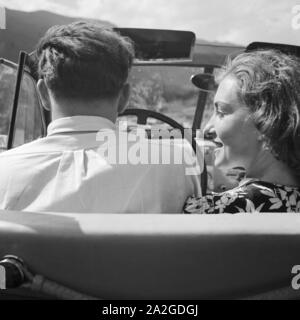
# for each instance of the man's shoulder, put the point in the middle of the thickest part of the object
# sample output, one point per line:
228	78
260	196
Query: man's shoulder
26	148
173	144
168	151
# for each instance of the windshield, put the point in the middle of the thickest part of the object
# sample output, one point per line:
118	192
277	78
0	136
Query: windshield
165	89
7	79
28	121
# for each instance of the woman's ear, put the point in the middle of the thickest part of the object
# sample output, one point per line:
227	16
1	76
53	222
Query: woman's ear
124	97
44	94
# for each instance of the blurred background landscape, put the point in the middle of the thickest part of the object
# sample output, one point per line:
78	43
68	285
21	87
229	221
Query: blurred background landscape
162	89
24	29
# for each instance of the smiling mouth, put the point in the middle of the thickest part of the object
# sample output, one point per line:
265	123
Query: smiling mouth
218	144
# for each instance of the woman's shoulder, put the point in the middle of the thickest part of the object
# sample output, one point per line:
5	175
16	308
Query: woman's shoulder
276	197
250	196
253	186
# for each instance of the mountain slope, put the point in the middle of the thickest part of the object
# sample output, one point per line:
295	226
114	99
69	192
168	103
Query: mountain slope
23	30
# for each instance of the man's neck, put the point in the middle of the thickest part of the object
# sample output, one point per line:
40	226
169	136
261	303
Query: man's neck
104	108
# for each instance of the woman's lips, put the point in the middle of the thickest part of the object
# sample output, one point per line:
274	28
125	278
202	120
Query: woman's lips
218	144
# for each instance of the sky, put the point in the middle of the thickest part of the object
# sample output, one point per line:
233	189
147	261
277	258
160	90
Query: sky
235	21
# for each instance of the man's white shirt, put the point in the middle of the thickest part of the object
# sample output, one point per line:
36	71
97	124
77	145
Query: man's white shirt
67	172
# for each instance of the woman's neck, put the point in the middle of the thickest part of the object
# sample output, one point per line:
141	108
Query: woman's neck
267	168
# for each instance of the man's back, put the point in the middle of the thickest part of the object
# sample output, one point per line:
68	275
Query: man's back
83	72
67	172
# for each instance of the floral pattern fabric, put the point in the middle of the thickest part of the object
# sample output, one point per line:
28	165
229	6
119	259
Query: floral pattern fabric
250	197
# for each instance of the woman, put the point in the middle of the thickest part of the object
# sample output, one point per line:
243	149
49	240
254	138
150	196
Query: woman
257	126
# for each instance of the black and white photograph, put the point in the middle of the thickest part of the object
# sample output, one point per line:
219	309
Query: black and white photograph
149	153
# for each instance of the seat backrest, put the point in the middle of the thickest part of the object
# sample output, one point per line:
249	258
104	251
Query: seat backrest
156	256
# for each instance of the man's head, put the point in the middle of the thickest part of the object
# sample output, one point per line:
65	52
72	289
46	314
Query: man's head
83	63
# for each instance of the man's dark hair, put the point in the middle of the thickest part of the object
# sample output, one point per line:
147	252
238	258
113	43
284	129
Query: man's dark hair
84	60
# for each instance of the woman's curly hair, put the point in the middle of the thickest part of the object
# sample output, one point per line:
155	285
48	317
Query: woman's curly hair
269	84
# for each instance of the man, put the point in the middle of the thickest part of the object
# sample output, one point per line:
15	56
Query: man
83	70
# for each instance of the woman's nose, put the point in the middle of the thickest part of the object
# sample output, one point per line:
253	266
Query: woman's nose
209	131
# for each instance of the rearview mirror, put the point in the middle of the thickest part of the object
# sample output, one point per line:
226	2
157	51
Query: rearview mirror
205	82
151	44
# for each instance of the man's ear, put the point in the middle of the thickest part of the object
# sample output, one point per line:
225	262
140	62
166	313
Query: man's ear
44	94
124	97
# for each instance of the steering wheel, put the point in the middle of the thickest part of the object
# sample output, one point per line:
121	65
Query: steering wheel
142	116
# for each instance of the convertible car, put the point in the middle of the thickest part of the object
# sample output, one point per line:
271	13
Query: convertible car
104	256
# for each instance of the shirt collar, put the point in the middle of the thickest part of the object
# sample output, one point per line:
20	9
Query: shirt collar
79	124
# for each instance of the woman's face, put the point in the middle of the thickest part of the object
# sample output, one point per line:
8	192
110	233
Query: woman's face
233	127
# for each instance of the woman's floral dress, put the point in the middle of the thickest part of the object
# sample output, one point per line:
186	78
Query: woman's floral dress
249	197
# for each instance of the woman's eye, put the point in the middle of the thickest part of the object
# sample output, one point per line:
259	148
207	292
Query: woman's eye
220	114
219	111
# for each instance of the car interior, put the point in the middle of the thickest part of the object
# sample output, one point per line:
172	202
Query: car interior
125	256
